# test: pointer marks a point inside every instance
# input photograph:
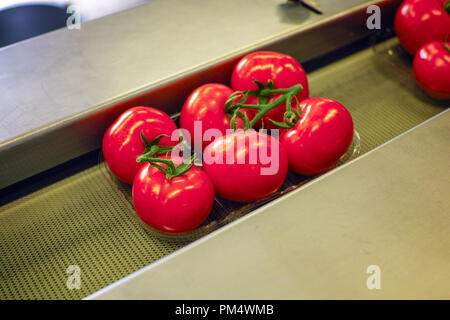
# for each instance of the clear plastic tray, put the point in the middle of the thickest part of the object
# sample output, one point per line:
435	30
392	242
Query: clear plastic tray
224	211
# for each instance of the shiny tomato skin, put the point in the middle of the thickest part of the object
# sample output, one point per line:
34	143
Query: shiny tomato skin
176	205
206	105
122	142
263	66
432	69
320	138
242	174
419	21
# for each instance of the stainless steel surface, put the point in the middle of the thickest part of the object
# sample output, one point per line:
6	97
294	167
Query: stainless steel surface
389	208
59	91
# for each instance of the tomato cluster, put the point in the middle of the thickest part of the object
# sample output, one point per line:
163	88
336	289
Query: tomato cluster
269	91
423	29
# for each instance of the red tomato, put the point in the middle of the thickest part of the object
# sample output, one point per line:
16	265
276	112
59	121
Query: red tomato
172	205
320	138
419	21
122	142
432	69
263	66
245	165
206	105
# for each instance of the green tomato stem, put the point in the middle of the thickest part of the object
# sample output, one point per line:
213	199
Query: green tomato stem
446	46
171	171
263	93
153	149
446	7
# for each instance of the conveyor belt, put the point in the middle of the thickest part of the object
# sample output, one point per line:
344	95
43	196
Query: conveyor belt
80	220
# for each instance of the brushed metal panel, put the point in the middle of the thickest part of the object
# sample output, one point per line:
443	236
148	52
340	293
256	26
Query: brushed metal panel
388	208
59	91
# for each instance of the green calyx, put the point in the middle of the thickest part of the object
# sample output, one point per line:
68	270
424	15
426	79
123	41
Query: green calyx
264	91
446	7
171	170
153	149
446	46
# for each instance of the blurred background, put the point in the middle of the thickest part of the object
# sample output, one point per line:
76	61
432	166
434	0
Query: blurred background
24	19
